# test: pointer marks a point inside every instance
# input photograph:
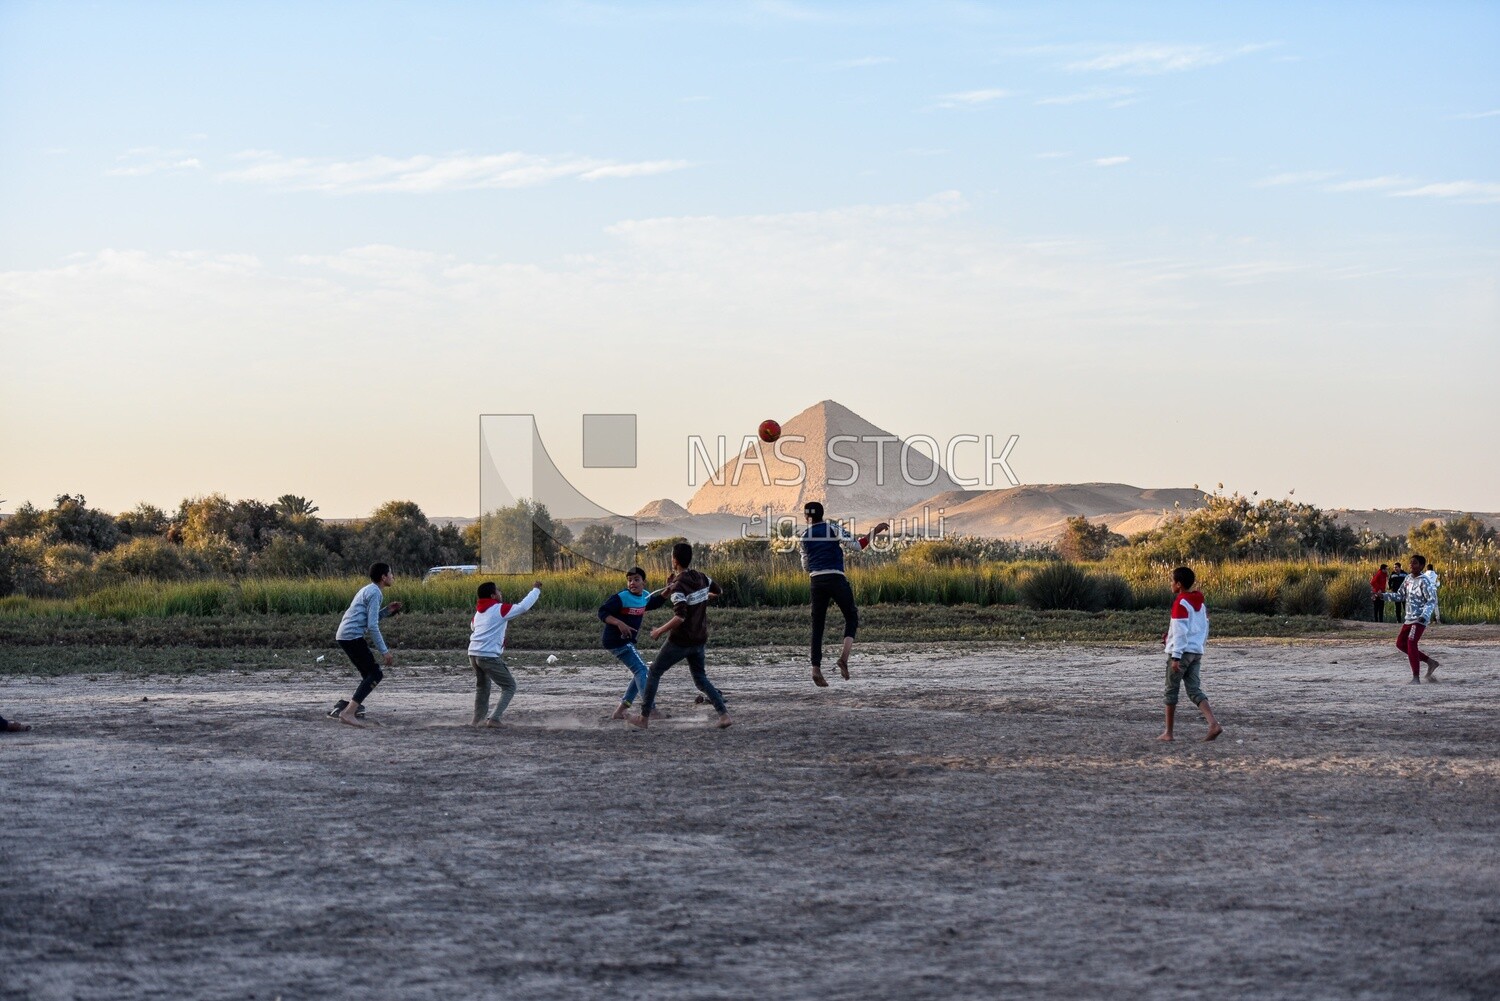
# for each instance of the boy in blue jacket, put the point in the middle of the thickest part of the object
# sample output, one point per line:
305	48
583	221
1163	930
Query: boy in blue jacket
623	614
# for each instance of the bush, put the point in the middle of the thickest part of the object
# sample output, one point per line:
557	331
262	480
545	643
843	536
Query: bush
1257	598
1115	592
1307	596
1083	540
1152	596
1061	585
935	552
287	555
66	566
146	556
1349	597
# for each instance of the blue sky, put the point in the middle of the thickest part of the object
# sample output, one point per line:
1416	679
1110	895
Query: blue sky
275	247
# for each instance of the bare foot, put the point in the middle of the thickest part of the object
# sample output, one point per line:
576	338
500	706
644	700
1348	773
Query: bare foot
489	724
818	678
1414	680
11	726
620	711
844	668
1165	736
347	718
639	721
1213	734
1432	665
660	714
724	720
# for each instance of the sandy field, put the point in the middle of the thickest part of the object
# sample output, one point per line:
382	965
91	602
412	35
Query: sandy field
985	824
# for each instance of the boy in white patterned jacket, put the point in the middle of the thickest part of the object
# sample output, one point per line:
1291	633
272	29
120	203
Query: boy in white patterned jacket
1187	632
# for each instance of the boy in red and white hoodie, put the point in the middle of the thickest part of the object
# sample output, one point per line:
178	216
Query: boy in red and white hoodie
487	649
1187	631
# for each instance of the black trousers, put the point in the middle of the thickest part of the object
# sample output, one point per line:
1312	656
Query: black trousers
832	587
369	672
1377	612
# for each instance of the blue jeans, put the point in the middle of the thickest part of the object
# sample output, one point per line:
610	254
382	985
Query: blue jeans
631	658
669	654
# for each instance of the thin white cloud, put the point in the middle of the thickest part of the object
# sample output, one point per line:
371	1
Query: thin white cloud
644	168
1295	177
1092	94
1154	59
970	98
1470	115
1470	192
1477	192
144	160
1111	161
1370	183
427	173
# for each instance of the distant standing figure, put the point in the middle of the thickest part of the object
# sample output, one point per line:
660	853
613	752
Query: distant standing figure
1394	586
361	620
1187	633
1418	595
11	726
487	649
823	559
1378	586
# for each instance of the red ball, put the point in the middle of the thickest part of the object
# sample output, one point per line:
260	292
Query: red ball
769	431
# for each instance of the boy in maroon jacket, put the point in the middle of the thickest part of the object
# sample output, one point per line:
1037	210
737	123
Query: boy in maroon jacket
689	591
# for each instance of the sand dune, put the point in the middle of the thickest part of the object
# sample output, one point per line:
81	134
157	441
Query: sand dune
1399	520
1038	513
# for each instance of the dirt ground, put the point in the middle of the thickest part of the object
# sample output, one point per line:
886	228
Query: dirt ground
946	825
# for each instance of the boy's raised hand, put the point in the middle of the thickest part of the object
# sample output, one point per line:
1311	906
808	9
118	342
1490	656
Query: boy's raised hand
537	585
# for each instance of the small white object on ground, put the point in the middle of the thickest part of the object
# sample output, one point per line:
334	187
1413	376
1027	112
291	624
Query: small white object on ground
552	658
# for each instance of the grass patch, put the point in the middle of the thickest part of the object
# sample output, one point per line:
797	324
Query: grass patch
187	644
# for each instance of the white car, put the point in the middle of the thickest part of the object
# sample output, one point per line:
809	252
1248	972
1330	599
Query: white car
462	569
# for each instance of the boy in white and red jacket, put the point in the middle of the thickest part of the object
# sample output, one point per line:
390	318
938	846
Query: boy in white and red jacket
1187	631
487	649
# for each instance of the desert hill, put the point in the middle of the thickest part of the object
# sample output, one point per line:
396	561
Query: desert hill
1038	512
1398	521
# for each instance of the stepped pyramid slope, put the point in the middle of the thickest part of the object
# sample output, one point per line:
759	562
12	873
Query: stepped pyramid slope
870	495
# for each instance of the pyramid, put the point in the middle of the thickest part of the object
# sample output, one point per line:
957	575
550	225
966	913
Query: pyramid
879	486
664	509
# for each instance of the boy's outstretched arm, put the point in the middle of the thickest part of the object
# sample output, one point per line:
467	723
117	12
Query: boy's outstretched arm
524	605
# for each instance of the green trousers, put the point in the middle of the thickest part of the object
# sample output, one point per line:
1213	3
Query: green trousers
487	670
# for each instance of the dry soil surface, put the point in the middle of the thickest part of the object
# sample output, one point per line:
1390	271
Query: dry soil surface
998	823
